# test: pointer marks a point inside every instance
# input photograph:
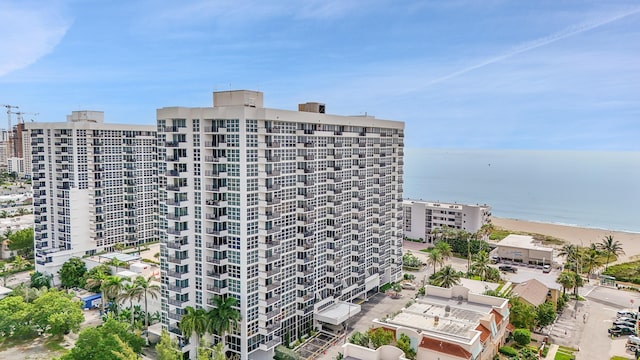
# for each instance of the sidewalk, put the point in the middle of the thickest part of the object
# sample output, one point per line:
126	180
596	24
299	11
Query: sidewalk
553	349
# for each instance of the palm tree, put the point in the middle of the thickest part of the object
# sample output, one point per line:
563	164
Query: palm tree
99	282
480	265
445	250
567	280
224	316
447	277
611	247
113	286
22	211
434	258
148	289
193	321
590	260
577	282
571	254
131	292
19	263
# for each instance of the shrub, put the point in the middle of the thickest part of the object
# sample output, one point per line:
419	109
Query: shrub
508	351
522	336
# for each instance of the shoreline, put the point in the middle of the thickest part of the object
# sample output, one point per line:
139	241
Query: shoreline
574	234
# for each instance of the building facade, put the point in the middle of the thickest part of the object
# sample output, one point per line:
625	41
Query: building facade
421	217
94	185
289	212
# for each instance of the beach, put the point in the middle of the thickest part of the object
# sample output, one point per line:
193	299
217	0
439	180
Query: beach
575	235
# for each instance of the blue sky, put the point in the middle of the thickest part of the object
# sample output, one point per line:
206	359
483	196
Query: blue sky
486	74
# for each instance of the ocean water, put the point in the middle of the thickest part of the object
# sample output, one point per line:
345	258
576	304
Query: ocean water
581	188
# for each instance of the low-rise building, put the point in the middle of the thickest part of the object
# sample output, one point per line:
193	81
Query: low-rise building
446	324
421	217
523	249
534	293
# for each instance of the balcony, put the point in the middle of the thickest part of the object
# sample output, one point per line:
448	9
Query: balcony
176	288
217	261
215	246
217	189
176	260
176	245
216	232
176	302
273	257
272	300
217	275
217	289
175	231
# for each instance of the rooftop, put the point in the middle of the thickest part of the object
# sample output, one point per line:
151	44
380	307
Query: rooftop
523	241
532	291
442	205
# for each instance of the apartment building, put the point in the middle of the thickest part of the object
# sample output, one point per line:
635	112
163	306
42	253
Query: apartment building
289	212
94	185
447	324
421	217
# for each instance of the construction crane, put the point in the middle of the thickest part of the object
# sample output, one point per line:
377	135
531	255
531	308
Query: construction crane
9	112
20	113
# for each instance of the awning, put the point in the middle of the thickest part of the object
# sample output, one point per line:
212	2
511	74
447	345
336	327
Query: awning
337	313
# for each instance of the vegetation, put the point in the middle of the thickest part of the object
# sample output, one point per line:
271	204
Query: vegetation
359	338
628	272
39	280
481	267
100	343
51	312
522	315
72	273
445	277
167	348
435	258
522	336
404	344
610	247
411	261
545	314
21	242
508	351
379	337
284	353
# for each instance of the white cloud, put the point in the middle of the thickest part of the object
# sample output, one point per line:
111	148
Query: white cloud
29	31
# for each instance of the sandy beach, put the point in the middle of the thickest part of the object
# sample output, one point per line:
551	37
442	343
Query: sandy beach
575	235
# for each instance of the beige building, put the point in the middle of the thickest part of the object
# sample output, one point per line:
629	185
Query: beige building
446	324
421	217
523	249
534	292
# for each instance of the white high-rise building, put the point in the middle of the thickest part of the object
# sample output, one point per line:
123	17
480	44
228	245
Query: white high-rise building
94	185
289	212
421	217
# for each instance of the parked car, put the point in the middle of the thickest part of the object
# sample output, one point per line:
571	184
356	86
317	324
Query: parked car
508	268
628	313
626	319
546	268
495	259
631	324
633	340
621	330
408	285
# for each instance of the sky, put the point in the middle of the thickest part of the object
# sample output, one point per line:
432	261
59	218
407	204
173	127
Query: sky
489	74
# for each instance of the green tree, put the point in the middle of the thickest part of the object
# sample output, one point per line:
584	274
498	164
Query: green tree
99	272
14	317
446	277
118	247
572	255
193	321
522	336
522	315
445	250
116	263
434	257
611	247
39	280
480	265
56	313
359	338
396	289
204	351
223	317
113	286
97	343
590	260
167	348
528	354
21	242
130	293
379	337
218	352
404	344
148	289
567	280
126	353
545	314
72	273
19	263
577	283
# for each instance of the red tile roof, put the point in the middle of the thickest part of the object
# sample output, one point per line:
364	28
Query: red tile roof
484	332
445	348
498	316
510	327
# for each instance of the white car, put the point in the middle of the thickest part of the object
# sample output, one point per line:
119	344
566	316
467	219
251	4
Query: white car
408	285
546	268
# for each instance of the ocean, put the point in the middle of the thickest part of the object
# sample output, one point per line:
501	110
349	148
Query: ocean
581	188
